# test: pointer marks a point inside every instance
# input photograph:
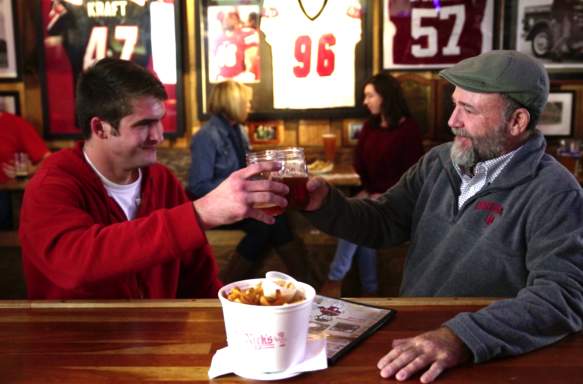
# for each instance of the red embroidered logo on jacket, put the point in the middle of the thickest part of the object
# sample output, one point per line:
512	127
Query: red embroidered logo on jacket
493	207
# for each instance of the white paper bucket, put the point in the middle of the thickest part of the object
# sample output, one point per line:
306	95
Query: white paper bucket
266	338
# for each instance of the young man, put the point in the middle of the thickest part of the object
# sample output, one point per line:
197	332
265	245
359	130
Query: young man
103	220
488	215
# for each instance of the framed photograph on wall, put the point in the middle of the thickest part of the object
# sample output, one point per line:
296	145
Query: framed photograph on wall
435	34
301	58
351	131
74	35
558	115
9	57
265	132
10	102
551	31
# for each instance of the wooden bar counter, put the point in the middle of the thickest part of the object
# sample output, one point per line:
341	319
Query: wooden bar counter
173	342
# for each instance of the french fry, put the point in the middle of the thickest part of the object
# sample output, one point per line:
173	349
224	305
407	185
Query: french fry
255	296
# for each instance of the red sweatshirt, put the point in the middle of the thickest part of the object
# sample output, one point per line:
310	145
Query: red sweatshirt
383	155
78	244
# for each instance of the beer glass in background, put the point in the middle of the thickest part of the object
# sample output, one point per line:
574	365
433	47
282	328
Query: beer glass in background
569	154
21	165
293	173
329	141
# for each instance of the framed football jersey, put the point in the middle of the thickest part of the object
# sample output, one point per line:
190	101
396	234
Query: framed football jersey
74	34
435	34
303	58
9	55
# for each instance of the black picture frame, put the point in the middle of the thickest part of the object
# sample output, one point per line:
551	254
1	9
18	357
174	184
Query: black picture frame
430	35
263	101
530	28
61	59
10	54
10	102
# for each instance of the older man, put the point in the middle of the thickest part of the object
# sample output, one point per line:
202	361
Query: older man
103	220
488	215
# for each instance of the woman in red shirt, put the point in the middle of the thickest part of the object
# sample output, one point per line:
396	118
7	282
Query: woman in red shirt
389	143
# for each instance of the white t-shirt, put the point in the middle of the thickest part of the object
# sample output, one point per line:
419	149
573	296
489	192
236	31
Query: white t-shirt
127	196
313	61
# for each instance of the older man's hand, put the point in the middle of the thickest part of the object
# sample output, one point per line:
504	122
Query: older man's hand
235	198
438	349
318	189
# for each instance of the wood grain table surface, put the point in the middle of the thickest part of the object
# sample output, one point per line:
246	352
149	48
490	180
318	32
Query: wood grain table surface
173	341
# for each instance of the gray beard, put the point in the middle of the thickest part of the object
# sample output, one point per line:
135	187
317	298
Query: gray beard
484	148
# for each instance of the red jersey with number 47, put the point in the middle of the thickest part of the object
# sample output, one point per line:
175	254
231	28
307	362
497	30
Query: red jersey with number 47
313	62
93	30
430	33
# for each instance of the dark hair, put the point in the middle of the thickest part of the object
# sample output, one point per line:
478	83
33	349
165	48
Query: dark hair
108	88
394	105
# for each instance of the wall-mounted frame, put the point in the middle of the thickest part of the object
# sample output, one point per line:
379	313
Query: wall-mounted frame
307	62
265	132
435	34
351	131
10	102
551	31
9	57
558	116
73	35
310	132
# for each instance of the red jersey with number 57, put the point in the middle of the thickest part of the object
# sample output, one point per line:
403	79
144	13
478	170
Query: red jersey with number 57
429	33
313	62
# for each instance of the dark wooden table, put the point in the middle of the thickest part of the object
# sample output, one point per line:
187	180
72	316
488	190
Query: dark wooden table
173	342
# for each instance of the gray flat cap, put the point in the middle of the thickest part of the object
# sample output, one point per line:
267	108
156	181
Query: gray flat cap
517	75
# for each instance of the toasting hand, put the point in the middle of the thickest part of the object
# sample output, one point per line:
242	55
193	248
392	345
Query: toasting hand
318	190
235	198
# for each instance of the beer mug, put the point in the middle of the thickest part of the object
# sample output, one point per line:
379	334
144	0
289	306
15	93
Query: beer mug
329	143
293	173
21	165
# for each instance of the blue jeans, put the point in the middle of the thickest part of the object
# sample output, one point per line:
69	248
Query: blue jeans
367	264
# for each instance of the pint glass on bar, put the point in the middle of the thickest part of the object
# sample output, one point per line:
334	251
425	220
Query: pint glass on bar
329	142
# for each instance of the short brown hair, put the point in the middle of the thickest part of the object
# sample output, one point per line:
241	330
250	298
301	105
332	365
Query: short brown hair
108	88
229	98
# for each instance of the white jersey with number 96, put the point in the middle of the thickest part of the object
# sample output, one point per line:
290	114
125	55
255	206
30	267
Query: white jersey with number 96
313	58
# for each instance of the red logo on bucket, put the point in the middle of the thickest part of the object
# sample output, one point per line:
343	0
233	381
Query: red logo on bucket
265	341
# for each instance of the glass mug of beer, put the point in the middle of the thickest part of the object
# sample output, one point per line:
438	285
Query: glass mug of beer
293	173
329	142
21	165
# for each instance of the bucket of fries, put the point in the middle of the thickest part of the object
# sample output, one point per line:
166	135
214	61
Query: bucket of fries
266	330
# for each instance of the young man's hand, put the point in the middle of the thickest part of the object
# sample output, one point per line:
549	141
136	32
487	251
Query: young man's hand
237	196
